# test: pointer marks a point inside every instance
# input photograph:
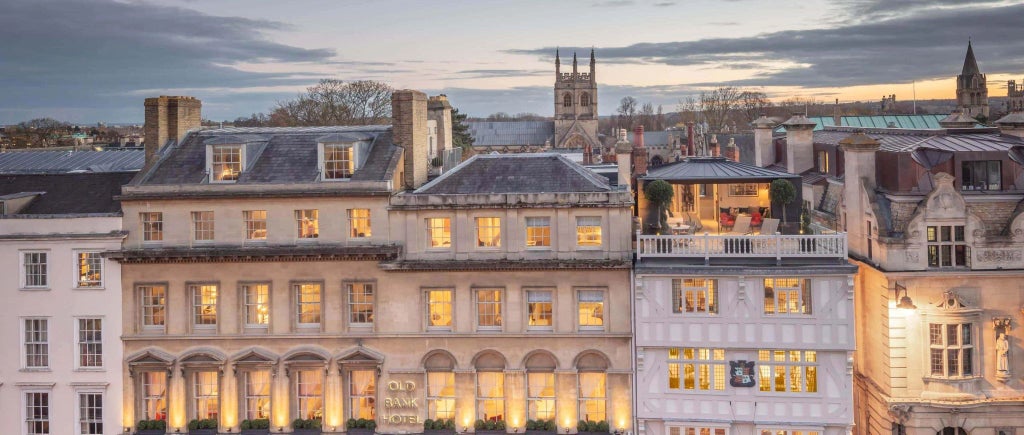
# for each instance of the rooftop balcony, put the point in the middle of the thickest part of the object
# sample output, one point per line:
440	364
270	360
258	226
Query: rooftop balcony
710	246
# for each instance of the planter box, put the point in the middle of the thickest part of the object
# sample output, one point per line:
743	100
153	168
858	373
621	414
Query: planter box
541	432
491	432
151	432
359	431
255	431
306	431
439	432
593	433
202	432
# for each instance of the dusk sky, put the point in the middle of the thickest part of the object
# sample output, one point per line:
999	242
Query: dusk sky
88	61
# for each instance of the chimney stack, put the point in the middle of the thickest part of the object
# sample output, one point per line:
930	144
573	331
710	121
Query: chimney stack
764	149
623	149
169	118
799	143
732	152
859	166
691	149
440	111
713	146
639	152
409	130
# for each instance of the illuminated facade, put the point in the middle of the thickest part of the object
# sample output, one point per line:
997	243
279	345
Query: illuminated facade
308	285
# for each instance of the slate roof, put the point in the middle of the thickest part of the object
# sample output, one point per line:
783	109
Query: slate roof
501	133
58	162
897	140
880	121
68	193
656	138
713	169
285	155
516	173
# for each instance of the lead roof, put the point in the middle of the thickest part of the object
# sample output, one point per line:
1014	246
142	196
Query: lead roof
501	133
62	194
900	140
516	173
57	162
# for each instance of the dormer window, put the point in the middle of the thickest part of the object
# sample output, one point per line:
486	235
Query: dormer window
339	161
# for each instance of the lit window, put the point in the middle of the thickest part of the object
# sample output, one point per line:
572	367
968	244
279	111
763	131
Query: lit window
591	309
362	394
90	270
488	232
35	267
697	430
539	306
981	175
823	165
152	226
90	343
154	396
204	305
339	161
37	344
307	224
538	232
490	396
788	432
205	395
153	302
360	304
439	232
951	349
37	413
790	371
440	395
202	226
947	247
488	308
257	305
90	413
588	231
695	295
787	296
307	305
540	395
697	368
255	224
439	309
309	394
257	395
227	163
593	394
359	223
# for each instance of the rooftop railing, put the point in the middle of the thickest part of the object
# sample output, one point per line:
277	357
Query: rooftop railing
708	246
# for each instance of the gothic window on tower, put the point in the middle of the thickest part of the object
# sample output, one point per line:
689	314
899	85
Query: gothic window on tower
585	100
567	100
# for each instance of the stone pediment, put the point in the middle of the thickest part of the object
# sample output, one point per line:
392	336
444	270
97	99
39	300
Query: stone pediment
944	202
360	355
255	356
151	357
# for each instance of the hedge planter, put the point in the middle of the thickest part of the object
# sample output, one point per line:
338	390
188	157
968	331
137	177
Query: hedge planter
202	432
439	432
541	432
255	431
360	431
306	431
491	432
151	432
593	433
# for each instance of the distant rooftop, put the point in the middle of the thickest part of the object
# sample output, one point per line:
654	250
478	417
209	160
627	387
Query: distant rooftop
516	173
929	121
714	169
501	133
66	193
60	162
897	140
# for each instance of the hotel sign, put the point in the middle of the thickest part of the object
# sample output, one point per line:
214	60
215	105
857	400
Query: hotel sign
741	373
401	403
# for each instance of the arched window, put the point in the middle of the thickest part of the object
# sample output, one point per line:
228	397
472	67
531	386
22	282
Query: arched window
951	431
585	100
490	386
592	368
540	385
440	367
567	100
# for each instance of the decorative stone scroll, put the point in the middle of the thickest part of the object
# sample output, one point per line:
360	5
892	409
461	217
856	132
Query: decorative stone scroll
1000	255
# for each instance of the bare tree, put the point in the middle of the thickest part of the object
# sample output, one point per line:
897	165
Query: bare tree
627	112
334	102
717	106
41	132
753	104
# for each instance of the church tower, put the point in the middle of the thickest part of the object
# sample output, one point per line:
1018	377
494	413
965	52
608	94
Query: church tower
971	89
575	105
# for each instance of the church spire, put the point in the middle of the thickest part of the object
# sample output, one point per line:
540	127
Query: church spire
574	62
970	64
558	64
593	61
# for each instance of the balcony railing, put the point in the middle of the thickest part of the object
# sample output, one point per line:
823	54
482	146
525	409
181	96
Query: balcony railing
709	246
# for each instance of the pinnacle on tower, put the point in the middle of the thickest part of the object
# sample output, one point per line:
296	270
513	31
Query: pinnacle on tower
574	62
558	63
970	64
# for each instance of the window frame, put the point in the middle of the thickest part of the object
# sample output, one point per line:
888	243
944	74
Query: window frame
352	224
714	363
79	343
696	428
427	309
349	288
293	388
245	396
492	231
604	309
24	272
296	287
101	266
498	314
551	291
43	351
805	290
788	431
589	229
681	293
787	364
351	393
243	289
300	229
142	306
251	226
546	229
553	398
194	305
432	399
193	392
480	399
151	225
142	399
25	411
430	230
934	242
972	349
222	150
978	164
80	418
581	399
199	224
347	170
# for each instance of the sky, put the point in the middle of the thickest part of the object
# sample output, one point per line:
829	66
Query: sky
97	60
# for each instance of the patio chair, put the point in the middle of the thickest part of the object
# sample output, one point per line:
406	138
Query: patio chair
742	225
769	227
726	220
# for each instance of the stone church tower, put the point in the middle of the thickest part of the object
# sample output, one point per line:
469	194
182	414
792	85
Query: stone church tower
576	106
971	89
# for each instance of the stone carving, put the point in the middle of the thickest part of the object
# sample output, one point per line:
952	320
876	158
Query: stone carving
901	412
1002	328
913	256
945	201
1000	255
951	301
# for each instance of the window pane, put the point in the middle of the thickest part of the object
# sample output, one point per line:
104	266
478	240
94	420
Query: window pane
488	307
339	161
257	304
540	308
90	269
439	232
257	394
308	303
90	342
360	303
488	232
202	226
588	231
205	395
307	223
204	304
359	223
538	231
591	308
227	163
255	224
439	308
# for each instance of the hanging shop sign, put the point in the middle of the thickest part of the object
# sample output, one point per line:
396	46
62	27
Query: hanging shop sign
741	373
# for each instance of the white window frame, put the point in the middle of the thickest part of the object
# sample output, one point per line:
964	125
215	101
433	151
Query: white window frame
203	226
440	230
142	398
772	367
301	216
433	399
24	264
353	232
788	431
543	223
79	344
25	412
696	429
687	294
783	296
247	395
216	151
581	400
346	172
604	309
45	343
711	360
488	237
551	301
355	396
496	316
297	305
960	348
247	304
194	396
254	225
369	290
195	291
427	306
481	398
295	390
585	225
530	398
100	266
79	392
150	228
142	307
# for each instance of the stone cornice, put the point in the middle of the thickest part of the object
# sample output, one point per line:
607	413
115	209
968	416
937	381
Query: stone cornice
236	254
503	265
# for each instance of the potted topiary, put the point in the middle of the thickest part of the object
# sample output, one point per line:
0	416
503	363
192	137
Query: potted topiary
360	426
489	427
782	192
587	427
659	194
441	426
258	426
303	426
205	426
541	427
151	427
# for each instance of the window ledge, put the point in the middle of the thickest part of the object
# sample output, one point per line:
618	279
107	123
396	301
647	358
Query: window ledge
89	288
952	380
90	369
34	289
35	370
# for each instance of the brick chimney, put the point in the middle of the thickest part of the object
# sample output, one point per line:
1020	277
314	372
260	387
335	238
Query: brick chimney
440	111
713	146
169	118
409	130
691	149
622	150
764	148
639	152
732	152
799	143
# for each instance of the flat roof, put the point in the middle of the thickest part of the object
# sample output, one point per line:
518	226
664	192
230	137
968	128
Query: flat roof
712	169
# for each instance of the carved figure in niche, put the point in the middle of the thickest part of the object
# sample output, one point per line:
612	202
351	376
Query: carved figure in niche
1002	353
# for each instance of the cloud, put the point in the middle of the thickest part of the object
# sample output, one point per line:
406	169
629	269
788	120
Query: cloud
612	3
94	54
500	73
664	4
540	99
927	44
